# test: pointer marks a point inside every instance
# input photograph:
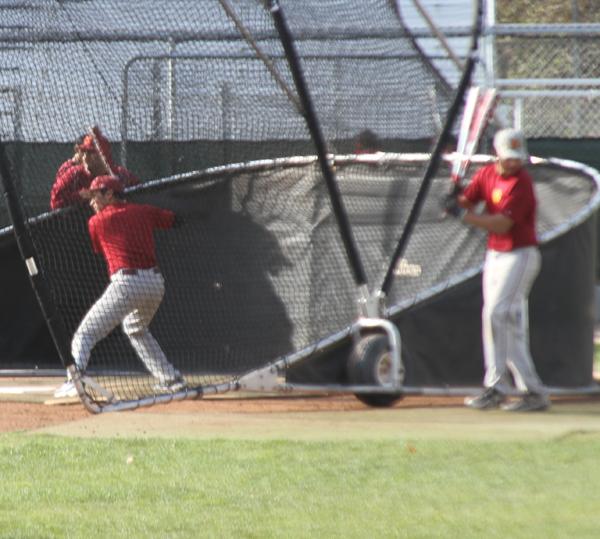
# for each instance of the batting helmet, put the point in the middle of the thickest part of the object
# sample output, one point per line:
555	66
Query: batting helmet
106	182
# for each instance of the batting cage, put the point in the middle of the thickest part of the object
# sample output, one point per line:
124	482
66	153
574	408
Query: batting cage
217	227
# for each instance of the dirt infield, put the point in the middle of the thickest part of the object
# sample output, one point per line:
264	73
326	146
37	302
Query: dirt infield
28	406
30	415
17	415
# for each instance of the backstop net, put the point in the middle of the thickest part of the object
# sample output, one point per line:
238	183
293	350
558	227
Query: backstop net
199	103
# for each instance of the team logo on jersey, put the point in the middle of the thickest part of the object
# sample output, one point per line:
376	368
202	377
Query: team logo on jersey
496	195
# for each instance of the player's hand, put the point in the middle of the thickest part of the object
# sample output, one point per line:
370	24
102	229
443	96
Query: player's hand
178	221
450	203
454	209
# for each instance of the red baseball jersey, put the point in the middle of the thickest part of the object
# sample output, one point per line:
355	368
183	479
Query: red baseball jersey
71	178
512	196
124	234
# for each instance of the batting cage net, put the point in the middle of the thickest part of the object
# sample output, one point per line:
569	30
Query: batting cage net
239	264
188	237
184	85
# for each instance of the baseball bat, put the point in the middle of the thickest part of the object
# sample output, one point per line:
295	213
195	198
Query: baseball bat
465	125
479	109
92	133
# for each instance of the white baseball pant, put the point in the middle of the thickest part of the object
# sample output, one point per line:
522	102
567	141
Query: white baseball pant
133	301
507	281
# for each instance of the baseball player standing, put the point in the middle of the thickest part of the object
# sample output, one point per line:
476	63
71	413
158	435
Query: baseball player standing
123	233
511	265
91	158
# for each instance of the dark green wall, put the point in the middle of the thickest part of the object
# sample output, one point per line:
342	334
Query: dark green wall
36	164
585	151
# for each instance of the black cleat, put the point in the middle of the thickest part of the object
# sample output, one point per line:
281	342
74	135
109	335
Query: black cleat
491	398
530	402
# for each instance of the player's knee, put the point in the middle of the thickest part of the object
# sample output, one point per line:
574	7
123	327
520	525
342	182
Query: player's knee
503	315
497	314
515	315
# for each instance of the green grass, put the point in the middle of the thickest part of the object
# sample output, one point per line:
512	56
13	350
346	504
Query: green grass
597	357
64	487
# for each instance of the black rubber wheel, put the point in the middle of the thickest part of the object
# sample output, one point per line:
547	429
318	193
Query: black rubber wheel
370	364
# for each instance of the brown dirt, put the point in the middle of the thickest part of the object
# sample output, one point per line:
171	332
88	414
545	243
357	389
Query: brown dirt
22	416
27	415
19	416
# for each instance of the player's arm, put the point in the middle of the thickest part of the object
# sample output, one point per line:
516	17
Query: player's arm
63	195
58	197
462	200
163	218
514	209
497	223
64	191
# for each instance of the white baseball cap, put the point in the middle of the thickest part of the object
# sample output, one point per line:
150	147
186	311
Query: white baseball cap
510	144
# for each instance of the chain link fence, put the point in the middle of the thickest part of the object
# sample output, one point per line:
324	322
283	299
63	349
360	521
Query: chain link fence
549	78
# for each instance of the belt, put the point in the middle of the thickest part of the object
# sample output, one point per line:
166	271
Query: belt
134	271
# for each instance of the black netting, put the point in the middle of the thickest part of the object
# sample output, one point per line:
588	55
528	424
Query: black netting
197	100
176	87
258	269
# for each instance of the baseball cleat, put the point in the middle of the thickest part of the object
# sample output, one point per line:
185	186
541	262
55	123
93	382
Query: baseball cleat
67	390
530	402
491	398
171	386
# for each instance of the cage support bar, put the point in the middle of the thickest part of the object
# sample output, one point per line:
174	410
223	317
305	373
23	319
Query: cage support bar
438	34
259	52
317	136
437	151
22	235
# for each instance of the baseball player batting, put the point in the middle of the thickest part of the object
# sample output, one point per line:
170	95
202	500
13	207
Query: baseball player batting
511	265
92	157
123	233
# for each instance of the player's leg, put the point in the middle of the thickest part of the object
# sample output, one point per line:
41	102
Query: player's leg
493	347
100	320
106	314
520	363
519	355
147	290
523	269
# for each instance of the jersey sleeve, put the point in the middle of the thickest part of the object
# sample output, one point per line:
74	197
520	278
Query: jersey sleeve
70	179
161	218
473	191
